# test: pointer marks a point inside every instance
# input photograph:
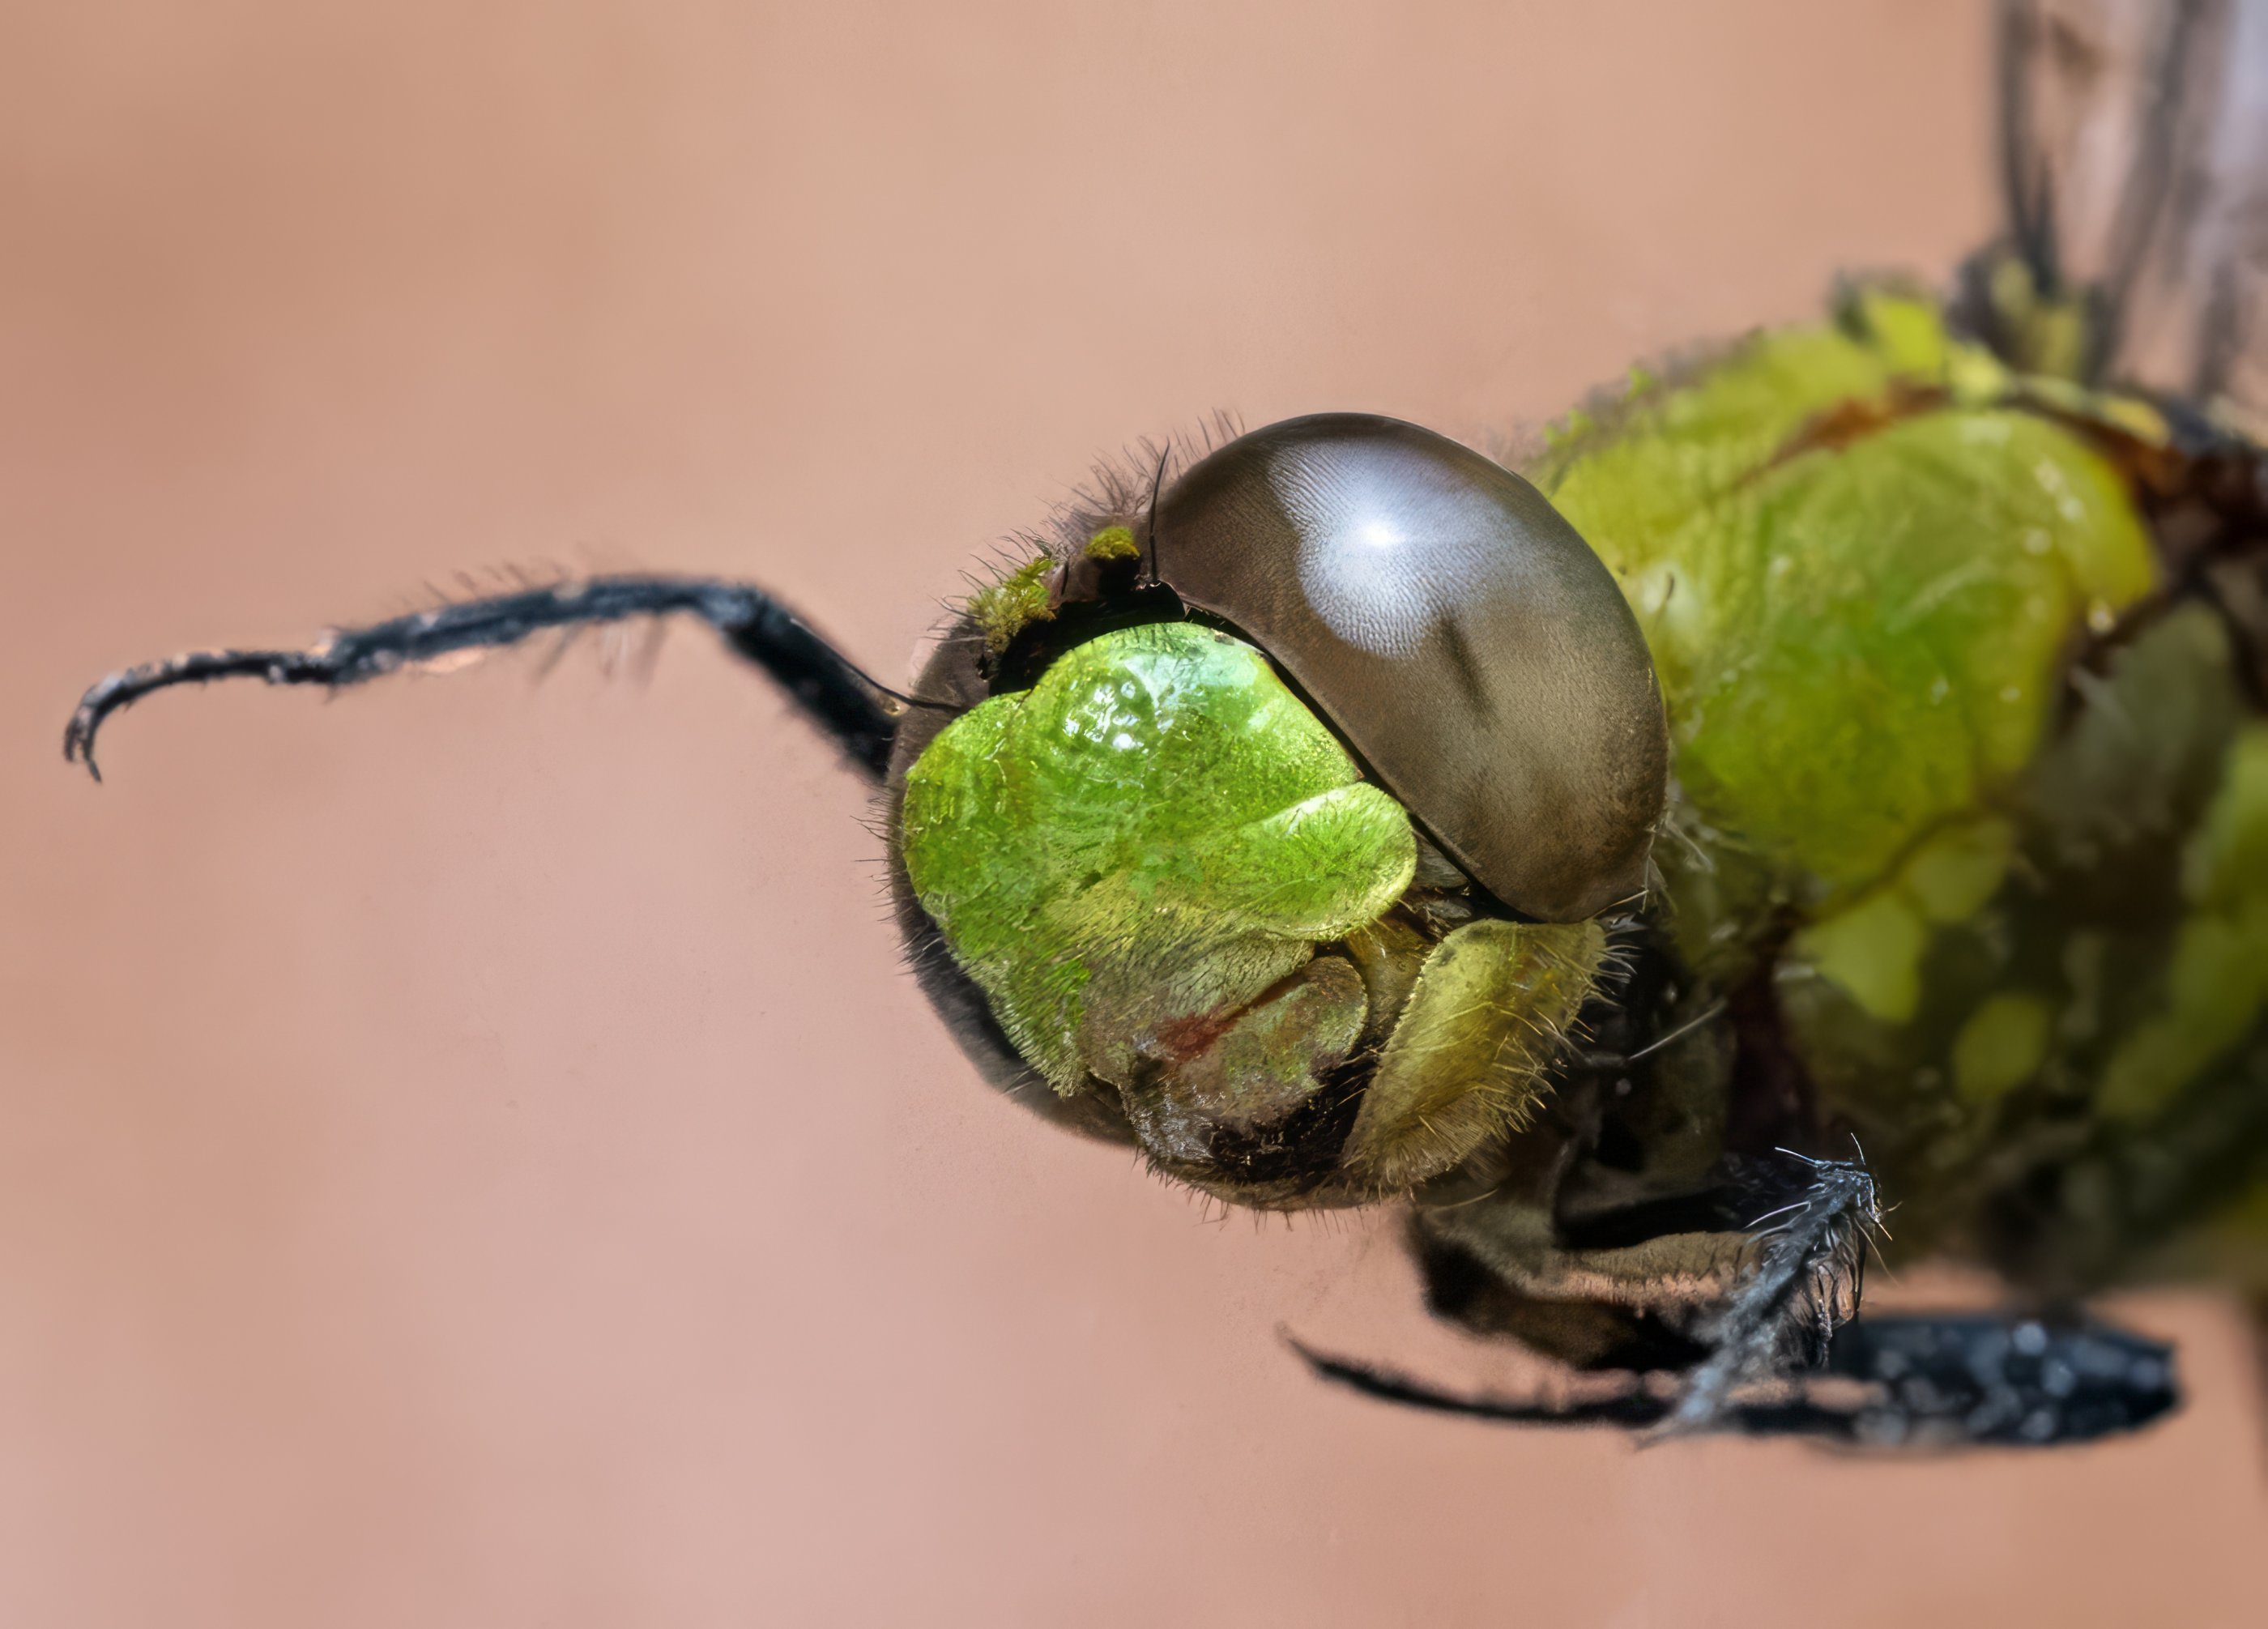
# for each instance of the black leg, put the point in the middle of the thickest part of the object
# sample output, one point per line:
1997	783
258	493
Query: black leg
1626	1402
1953	1381
1924	1380
1805	1286
858	714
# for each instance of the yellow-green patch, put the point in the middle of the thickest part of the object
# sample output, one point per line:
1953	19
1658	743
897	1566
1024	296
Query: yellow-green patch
1008	607
1113	543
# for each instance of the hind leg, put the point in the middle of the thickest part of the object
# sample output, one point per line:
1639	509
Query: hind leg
1933	1380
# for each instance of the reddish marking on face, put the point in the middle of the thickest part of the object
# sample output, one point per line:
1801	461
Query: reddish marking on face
1181	1039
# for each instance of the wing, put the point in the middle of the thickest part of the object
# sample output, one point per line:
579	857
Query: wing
2134	171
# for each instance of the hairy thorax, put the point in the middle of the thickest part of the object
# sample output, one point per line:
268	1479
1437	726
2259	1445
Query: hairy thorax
1971	804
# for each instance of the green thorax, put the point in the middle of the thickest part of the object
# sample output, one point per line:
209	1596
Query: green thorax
1993	892
1860	563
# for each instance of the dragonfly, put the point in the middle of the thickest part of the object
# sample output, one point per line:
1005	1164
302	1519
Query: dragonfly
1809	806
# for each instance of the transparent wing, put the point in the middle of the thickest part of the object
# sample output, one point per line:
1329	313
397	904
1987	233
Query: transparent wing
2134	158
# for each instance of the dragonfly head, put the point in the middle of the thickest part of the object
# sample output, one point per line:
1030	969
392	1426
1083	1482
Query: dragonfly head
1285	807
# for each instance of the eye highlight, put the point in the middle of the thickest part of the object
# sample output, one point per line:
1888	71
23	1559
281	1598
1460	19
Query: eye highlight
1458	632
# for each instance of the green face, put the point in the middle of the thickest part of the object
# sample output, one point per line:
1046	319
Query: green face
1169	878
1145	841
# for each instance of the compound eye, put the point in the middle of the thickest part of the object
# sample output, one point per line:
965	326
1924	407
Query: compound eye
1461	636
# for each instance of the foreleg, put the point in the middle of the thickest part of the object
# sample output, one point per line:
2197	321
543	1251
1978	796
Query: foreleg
856	713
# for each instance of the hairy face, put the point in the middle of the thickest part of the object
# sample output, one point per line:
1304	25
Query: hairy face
1172	886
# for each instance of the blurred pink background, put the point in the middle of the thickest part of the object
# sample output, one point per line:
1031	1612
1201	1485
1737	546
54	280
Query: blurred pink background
469	1153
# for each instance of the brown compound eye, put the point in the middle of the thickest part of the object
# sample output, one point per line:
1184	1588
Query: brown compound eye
1461	636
